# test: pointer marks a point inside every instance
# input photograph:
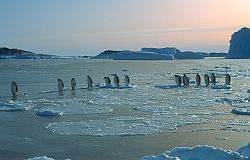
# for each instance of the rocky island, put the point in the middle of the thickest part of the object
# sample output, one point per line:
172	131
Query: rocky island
7	53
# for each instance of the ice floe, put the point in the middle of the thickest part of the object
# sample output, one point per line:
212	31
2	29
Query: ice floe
241	111
13	106
101	85
123	125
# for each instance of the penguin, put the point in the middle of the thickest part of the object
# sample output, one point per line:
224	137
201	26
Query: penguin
198	79
73	84
126	80
206	77
185	80
14	89
177	80
228	79
90	82
107	81
116	80
213	79
60	85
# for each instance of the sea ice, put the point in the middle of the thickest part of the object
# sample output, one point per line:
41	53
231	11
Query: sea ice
123	125
77	106
12	106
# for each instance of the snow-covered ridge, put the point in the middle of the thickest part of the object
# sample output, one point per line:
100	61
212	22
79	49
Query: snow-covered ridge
168	53
202	152
7	53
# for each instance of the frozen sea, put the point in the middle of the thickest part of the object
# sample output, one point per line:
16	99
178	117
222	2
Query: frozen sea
84	123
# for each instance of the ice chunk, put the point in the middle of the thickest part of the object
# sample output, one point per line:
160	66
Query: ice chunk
160	157
200	152
221	87
43	158
40	158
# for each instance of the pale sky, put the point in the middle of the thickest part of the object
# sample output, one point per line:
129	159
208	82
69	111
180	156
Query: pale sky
88	27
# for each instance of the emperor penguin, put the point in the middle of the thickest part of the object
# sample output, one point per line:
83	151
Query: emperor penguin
185	80
73	84
177	80
116	80
14	89
206	77
198	79
90	82
107	81
60	85
213	79
228	79
126	80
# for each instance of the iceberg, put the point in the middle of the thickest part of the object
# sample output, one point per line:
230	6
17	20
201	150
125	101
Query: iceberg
240	44
166	50
176	53
141	55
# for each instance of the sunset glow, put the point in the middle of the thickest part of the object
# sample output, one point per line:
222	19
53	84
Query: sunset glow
89	27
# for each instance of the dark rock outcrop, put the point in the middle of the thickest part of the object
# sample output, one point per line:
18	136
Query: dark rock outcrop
240	44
